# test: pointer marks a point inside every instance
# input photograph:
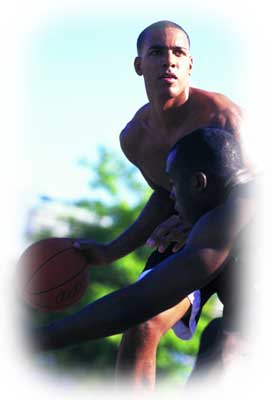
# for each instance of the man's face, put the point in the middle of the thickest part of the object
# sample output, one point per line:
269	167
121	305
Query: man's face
189	190
181	190
165	62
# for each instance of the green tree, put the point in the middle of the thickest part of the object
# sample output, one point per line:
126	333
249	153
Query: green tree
117	195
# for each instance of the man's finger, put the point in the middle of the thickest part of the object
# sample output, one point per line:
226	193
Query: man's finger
162	248
82	244
177	247
166	227
150	242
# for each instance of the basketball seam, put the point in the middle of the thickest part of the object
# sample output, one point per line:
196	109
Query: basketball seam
62	284
53	307
45	262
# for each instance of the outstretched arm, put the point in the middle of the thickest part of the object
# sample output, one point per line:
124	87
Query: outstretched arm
129	306
165	286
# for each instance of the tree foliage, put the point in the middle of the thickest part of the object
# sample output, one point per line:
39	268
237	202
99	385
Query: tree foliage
117	195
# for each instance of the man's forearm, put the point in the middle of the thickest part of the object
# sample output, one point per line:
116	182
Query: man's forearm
164	287
158	209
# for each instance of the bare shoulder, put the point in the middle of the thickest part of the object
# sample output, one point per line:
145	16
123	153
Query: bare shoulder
131	136
217	100
223	112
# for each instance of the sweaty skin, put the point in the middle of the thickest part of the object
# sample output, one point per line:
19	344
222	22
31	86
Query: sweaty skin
146	141
204	254
174	110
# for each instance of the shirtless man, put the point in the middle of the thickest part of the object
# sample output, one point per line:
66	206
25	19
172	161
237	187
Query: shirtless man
211	187
174	110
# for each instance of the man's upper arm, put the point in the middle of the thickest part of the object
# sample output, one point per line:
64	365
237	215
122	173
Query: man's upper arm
227	115
232	118
126	139
180	274
212	244
129	136
219	228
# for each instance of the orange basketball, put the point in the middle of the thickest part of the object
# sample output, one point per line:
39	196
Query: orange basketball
53	274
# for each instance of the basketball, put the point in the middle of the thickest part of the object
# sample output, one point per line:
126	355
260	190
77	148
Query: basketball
53	275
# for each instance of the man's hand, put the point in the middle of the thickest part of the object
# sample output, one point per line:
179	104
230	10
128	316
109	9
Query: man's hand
170	231
95	252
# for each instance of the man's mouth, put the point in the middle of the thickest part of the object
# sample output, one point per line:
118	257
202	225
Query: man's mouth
168	77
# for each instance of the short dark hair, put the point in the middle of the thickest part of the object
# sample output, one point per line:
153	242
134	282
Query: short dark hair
161	24
211	150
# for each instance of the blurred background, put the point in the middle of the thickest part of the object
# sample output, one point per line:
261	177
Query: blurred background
75	89
117	195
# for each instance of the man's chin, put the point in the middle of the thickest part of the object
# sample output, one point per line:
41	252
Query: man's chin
167	93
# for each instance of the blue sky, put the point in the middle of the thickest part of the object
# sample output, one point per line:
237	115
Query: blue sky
69	83
81	88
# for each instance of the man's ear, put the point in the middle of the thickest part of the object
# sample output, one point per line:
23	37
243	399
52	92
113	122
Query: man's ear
200	181
190	64
137	65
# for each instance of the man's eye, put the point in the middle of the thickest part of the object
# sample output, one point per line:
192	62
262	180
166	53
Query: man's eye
155	52
180	52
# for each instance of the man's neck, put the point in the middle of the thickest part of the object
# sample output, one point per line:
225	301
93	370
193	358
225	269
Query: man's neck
169	112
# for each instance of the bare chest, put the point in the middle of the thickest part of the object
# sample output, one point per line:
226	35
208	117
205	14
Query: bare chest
152	157
152	146
153	166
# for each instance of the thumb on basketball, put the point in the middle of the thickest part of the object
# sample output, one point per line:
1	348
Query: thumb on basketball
96	253
83	244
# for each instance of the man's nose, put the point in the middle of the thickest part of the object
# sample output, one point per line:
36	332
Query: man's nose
169	59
